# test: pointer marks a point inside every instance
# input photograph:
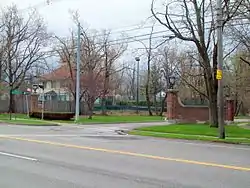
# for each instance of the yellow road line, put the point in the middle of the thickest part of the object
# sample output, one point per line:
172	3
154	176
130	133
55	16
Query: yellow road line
130	154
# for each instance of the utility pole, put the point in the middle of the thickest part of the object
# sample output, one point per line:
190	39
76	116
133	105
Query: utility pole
220	71
77	108
137	88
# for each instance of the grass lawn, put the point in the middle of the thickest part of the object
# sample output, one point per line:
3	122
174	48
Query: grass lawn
22	118
242	117
28	122
235	134
7	116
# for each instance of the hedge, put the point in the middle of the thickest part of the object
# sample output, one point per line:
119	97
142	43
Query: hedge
53	115
134	103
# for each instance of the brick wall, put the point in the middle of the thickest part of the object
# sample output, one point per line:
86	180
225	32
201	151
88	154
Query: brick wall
176	110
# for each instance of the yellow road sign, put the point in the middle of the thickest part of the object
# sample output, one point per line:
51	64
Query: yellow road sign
219	74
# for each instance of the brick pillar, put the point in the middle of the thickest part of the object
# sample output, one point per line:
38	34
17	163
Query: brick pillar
229	110
172	100
33	102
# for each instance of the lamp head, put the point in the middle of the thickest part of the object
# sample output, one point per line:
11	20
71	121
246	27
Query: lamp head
172	81
137	59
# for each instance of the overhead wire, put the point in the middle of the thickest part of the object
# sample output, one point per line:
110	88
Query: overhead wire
111	44
49	2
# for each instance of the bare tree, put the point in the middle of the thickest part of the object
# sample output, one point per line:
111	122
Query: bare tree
148	49
112	52
23	48
169	59
92	58
239	31
150	53
129	81
155	85
66	49
193	21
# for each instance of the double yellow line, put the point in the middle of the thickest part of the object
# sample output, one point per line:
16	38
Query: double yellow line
130	154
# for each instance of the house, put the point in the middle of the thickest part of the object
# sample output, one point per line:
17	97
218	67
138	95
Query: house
60	84
54	84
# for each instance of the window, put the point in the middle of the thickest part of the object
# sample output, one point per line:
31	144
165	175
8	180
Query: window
48	85
53	84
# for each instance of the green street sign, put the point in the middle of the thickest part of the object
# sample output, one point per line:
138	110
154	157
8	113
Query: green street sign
26	93
16	92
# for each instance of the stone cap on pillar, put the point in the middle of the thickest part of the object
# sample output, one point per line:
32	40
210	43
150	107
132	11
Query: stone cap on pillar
229	99
172	90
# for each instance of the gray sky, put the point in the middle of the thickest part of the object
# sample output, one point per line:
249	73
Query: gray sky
105	14
116	15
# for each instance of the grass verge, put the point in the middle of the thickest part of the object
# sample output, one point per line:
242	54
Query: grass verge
234	133
22	118
28	122
242	117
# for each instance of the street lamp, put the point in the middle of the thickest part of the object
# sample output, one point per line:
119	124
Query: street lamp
35	87
171	80
162	85
137	89
227	90
41	86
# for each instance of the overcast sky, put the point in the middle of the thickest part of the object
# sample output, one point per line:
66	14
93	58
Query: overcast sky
105	14
116	15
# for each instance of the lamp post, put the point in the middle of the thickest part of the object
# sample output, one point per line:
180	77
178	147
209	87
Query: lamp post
137	88
41	86
171	81
162	104
35	87
28	90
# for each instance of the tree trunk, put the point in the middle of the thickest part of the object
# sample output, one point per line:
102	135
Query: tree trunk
105	88
90	112
104	106
91	108
212	88
155	103
163	105
147	86
148	100
213	111
11	104
243	110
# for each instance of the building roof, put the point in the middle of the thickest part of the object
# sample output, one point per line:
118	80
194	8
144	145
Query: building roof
61	73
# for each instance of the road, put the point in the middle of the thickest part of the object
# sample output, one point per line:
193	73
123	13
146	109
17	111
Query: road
95	156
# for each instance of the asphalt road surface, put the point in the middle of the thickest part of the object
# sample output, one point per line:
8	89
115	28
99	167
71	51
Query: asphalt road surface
95	156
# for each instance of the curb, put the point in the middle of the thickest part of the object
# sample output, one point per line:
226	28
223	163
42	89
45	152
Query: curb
199	136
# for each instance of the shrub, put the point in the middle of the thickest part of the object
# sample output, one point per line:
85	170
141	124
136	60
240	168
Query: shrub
53	115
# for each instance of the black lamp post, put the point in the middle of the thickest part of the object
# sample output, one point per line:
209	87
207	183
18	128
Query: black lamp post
35	87
137	88
41	86
227	91
171	80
